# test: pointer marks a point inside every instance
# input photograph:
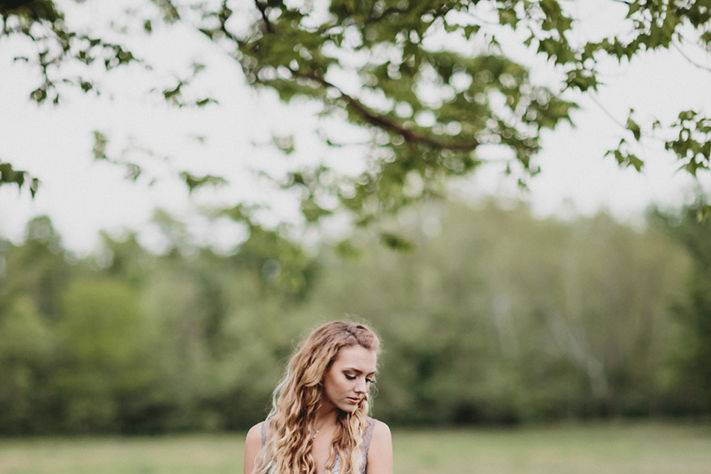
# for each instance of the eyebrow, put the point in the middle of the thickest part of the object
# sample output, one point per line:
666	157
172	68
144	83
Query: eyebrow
353	369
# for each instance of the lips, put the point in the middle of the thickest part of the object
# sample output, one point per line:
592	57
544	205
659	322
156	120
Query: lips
353	401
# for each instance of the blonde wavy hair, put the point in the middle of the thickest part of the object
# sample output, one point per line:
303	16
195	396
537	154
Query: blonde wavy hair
297	398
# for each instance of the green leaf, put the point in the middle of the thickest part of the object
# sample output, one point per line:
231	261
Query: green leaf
195	182
101	142
346	249
285	143
703	212
205	101
311	211
470	30
633	126
395	241
21	178
507	16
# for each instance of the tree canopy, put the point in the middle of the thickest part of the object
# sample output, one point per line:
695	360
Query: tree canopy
428	82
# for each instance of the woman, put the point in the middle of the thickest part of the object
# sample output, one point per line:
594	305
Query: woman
318	423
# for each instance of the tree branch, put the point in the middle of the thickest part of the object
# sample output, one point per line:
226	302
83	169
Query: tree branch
385	122
263	11
607	112
369	115
691	61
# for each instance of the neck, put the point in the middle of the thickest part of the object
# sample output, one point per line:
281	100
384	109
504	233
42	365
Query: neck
325	415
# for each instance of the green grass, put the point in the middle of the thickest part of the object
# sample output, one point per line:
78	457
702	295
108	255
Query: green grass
579	449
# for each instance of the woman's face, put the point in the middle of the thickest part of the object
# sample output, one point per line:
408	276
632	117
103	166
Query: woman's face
346	383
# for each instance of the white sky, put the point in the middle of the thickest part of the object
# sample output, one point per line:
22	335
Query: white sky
83	196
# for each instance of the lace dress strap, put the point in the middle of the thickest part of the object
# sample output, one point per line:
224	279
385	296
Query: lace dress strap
367	437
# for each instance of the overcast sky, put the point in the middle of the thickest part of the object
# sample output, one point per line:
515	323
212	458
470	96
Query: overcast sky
83	196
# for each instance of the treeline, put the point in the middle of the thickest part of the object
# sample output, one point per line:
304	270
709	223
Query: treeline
494	316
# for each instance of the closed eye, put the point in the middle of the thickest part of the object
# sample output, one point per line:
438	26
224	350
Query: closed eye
352	377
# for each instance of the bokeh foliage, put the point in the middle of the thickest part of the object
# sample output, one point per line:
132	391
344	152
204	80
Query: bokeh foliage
428	83
493	317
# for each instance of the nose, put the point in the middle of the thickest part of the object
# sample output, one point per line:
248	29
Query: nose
361	386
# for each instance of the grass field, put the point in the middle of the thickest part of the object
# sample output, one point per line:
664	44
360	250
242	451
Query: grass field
579	449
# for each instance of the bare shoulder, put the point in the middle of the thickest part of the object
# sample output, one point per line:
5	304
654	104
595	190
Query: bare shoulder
381	431
380	453
252	445
254	435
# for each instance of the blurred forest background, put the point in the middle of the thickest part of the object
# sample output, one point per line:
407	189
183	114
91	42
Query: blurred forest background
492	316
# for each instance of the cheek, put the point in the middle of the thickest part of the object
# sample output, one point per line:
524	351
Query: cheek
331	385
342	385
335	385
